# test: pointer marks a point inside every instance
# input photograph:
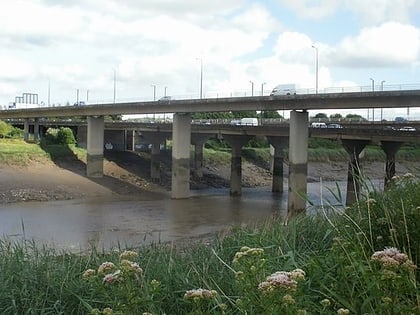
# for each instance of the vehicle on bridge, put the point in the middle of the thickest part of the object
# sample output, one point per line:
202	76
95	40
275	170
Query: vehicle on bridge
407	128
284	89
318	125
245	122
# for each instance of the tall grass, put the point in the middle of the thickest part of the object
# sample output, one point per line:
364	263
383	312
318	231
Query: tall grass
357	261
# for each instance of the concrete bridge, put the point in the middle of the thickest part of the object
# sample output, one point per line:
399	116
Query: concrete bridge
182	131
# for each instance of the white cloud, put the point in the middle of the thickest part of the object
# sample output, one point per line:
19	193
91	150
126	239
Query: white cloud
388	45
309	9
374	12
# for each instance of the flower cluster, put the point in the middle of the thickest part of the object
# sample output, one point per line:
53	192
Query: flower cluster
106	267
128	254
246	251
200	294
113	277
105	311
282	280
392	258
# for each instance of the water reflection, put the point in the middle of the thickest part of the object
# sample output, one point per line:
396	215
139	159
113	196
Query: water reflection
105	223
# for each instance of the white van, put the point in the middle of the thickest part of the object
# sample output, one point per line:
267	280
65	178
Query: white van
284	89
318	125
249	122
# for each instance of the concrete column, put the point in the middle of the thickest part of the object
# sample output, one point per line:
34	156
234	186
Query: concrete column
353	148
198	140
82	137
278	143
181	136
26	129
95	146
36	129
298	162
155	161
390	148
236	142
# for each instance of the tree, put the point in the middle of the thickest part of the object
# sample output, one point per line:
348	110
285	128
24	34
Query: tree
336	116
245	114
5	129
321	116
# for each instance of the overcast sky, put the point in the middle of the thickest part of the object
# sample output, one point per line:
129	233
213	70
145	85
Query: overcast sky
65	46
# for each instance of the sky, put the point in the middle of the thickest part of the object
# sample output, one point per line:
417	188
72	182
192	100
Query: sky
139	50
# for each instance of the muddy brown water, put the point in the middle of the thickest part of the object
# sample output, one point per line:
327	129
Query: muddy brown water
76	225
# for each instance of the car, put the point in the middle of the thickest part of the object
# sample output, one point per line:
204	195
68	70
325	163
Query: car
407	128
165	99
80	103
318	125
334	126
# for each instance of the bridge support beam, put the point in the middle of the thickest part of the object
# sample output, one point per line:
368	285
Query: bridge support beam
198	140
279	143
155	139
95	146
353	149
181	136
36	129
236	142
26	129
390	148
298	162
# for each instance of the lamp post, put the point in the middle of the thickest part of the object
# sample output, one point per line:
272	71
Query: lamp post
316	68
252	88
77	97
154	91
373	84
382	88
262	88
87	96
49	92
201	77
115	84
373	110
165	90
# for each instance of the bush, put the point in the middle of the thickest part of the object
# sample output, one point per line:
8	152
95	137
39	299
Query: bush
64	135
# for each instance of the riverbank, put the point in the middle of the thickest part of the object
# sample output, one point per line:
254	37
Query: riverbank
127	173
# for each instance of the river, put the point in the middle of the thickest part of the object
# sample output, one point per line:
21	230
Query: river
76	225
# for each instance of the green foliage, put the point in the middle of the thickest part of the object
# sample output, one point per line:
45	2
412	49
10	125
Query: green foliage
321	116
63	136
212	115
245	114
8	131
336	116
270	114
323	143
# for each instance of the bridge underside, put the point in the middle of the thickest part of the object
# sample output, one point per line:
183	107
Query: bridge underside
95	138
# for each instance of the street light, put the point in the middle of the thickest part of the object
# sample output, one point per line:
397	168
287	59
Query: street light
87	96
154	97
252	88
373	84
382	85
262	88
165	90
316	69
201	77
115	84
154	91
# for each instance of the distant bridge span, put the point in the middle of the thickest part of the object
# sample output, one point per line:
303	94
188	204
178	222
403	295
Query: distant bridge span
182	129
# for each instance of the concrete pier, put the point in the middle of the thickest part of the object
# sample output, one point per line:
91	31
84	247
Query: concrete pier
36	129
353	149
26	129
198	140
181	136
236	142
390	148
278	143
298	162
95	146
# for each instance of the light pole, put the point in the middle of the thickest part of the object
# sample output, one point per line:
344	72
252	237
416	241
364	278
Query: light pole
201	77
165	90
154	98
382	88
49	92
373	84
87	96
77	97
373	110
316	68
262	88
252	88
115	84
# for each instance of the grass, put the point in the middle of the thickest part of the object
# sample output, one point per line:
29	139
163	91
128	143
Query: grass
355	262
360	261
